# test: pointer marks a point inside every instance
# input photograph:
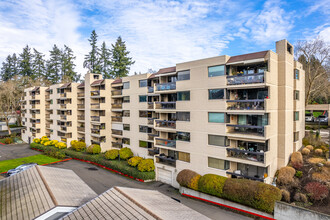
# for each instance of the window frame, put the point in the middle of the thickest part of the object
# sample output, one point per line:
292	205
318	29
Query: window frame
226	164
178	134
296	115
183	78
143	80
224	117
146	98
214	144
182	113
224	94
208	70
126	83
296	74
296	94
181	92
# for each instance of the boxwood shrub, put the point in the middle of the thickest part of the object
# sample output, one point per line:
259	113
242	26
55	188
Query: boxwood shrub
125	153
134	161
94	149
212	184
111	154
188	178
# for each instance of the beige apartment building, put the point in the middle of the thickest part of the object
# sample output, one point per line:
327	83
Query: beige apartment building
239	116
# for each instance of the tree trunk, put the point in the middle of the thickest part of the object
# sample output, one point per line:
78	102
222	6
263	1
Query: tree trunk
7	123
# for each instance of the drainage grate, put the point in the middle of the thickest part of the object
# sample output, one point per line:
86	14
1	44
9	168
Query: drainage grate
92	168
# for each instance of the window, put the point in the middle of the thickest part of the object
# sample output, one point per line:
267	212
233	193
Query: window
143	144
51	91
126	113
183	116
217	140
126	85
183	136
58	90
96	76
143	83
218	163
143	129
289	48
183	96
126	99
216	117
296	116
296	73
184	157
126	127
295	136
296	95
143	98
143	114
216	71
126	141
184	75
216	93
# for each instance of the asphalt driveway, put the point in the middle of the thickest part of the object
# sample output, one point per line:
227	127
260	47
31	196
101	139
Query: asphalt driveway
13	151
101	180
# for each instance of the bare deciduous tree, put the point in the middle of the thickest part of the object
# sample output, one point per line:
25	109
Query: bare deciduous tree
315	57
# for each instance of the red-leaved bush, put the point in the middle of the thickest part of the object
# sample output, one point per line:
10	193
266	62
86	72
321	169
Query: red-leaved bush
317	191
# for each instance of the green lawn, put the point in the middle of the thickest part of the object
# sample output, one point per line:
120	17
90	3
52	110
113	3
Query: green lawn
6	165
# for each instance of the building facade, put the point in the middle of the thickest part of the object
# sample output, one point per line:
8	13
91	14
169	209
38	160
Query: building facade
239	116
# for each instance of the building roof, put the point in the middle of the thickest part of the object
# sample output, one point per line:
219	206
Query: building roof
48	89
117	81
35	89
97	82
35	191
130	203
81	85
167	70
249	56
66	85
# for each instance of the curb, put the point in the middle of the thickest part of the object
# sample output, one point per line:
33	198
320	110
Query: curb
227	206
2	143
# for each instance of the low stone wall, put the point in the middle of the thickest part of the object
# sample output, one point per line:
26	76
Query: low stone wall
285	211
225	203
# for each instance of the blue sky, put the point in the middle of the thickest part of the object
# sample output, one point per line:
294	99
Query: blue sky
161	33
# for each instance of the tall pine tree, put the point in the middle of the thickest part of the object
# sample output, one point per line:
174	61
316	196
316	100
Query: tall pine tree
54	66
120	62
9	68
25	63
68	72
38	65
105	61
92	58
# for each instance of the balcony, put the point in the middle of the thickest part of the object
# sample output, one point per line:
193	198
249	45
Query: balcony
34	115
81	129
117	105
47	116
246	154
116	92
63	117
246	129
47	96
95	131
165	124
81	106
165	105
240	175
63	106
116	118
117	145
64	128
81	94
166	86
255	104
117	132
245	79
48	106
153	151
166	160
95	118
151	121
151	136
95	106
166	142
63	95
81	117
95	93
150	105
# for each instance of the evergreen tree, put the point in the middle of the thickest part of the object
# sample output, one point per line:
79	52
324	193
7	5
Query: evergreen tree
92	58
105	61
68	65
38	64
9	68
54	65
25	63
120	62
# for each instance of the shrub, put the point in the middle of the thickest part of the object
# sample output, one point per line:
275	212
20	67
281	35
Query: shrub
252	193
8	141
285	175
305	141
316	191
78	146
60	145
134	161
316	160
212	184
285	195
188	178
299	197
318	152
36	140
54	153
48	143
146	165
111	154
125	153
310	147
53	142
296	158
299	174
73	142
305	151
94	149
327	164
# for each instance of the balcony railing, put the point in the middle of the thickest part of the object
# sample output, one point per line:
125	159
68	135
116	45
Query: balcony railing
255	104
82	129
153	151
116	92
63	128
150	105
246	176
81	106
166	142
63	95
81	94
95	93
81	117
150	89
117	118
165	124
117	132
95	106
151	121
95	118
116	105
246	129
166	160
246	155
33	115
117	145
47	116
245	79
166	86
63	106
95	131
47	96
152	135
63	117
48	106
165	105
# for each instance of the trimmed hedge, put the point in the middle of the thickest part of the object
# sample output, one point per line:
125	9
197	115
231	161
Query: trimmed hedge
78	145
94	149
255	194
188	178
146	165
111	154
134	161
